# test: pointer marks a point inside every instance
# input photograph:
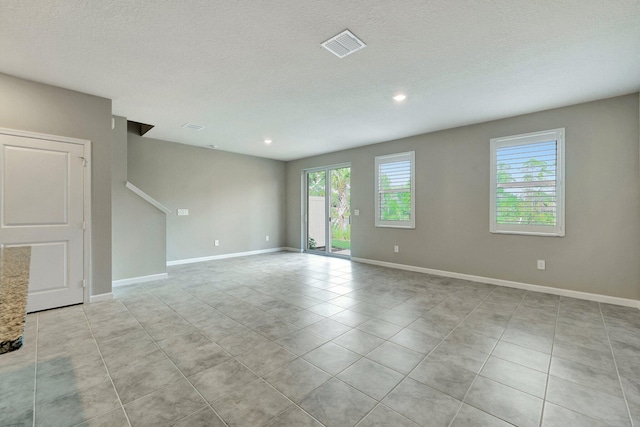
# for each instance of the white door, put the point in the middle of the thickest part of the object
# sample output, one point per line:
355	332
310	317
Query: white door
42	206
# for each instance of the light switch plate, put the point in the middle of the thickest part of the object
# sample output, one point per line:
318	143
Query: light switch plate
356	212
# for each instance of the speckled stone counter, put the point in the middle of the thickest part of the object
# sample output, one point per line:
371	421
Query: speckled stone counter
14	287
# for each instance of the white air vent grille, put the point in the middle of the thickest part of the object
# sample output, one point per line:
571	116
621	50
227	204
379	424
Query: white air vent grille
192	126
344	44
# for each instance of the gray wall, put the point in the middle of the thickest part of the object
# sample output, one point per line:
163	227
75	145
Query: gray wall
601	250
37	107
139	229
233	198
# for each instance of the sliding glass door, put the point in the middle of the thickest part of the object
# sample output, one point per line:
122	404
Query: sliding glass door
328	210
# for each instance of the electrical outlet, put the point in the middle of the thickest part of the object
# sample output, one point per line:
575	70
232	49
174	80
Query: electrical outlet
542	264
267	238
183	212
396	249
216	243
356	212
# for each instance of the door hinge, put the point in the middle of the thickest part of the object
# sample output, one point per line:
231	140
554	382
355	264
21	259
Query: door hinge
83	283
84	225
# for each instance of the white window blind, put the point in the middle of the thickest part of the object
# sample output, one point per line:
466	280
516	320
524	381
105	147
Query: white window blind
527	194
395	192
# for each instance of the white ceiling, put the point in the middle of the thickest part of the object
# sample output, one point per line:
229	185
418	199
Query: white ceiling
254	69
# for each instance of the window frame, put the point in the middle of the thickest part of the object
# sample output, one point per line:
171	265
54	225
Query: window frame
392	158
558	230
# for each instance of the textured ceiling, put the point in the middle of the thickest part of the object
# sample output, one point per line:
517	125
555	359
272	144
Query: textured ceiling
254	69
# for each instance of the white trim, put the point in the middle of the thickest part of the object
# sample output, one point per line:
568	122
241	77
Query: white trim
87	264
44	136
148	198
139	279
321	168
303	208
507	283
223	256
101	297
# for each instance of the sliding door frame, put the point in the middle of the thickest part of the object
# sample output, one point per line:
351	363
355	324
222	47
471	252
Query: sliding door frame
327	209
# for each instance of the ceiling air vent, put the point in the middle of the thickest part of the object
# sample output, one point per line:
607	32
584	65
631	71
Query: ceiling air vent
344	44
192	126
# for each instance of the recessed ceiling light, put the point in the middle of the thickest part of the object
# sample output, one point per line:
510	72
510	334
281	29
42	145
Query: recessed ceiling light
400	97
268	141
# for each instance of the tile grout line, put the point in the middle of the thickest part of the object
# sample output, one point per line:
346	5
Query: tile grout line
285	396
172	362
388	340
276	317
107	369
232	357
553	342
254	331
325	317
562	405
428	354
519	364
487	359
35	371
615	363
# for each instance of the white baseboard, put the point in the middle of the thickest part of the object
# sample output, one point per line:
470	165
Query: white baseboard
101	297
507	283
288	249
223	256
140	279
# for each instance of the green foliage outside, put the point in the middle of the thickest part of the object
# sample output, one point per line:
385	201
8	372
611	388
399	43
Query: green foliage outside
340	208
340	244
531	204
317	184
394	206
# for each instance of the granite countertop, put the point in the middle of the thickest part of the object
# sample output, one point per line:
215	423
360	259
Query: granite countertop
14	289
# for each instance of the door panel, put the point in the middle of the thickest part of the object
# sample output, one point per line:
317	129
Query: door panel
35	186
49	265
340	211
316	211
42	206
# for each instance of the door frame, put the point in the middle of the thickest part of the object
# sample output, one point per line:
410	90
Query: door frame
327	202
86	203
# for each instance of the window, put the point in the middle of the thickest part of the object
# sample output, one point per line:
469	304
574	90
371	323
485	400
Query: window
395	190
527	184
